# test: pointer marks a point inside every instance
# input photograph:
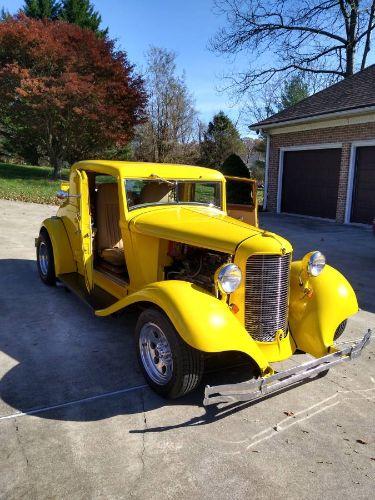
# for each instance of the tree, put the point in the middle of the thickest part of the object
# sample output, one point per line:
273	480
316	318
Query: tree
82	13
220	140
330	38
65	94
79	12
294	91
4	14
234	166
41	9
168	132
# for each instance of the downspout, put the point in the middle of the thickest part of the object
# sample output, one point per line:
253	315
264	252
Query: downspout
266	169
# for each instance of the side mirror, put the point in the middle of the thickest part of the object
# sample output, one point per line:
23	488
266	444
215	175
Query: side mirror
62	195
63	192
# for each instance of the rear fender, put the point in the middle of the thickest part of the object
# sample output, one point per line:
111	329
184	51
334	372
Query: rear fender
317	306
203	321
62	252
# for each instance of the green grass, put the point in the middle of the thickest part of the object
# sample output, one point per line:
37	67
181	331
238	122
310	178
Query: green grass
27	183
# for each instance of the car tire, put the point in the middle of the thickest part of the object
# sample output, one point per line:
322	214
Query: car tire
45	260
171	367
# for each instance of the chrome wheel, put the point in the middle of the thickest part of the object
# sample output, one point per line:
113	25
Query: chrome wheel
155	353
43	258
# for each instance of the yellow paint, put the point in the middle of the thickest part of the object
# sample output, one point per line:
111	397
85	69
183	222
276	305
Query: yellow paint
314	317
85	230
62	251
203	320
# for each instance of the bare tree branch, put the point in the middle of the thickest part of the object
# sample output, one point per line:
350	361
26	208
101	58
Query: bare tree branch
368	34
315	37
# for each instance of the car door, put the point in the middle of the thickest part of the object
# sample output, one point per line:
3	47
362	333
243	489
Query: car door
242	199
85	228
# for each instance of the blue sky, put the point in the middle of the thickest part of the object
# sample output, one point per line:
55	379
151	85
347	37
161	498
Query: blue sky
182	26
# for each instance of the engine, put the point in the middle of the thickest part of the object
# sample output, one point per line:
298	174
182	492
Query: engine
194	264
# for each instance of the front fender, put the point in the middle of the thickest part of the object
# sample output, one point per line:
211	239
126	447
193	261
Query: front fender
317	307
203	321
62	251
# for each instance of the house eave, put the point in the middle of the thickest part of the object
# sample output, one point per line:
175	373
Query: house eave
316	118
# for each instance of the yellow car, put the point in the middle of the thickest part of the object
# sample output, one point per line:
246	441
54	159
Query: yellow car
159	237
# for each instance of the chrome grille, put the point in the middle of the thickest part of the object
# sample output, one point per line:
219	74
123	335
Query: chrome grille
266	295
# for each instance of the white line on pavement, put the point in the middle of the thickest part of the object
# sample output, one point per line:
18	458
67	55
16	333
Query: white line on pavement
71	403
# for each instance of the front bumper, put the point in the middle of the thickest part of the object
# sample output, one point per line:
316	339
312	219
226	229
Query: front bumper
262	387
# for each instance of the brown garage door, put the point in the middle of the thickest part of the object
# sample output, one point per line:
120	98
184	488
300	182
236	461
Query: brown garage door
310	182
363	204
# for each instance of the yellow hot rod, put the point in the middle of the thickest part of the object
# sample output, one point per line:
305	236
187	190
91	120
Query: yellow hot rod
159	237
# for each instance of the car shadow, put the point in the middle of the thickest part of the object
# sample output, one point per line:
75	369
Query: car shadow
60	362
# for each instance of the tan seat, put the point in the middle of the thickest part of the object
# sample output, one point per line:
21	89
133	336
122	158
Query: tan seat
155	192
108	236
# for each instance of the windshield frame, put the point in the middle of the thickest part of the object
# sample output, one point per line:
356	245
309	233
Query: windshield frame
175	182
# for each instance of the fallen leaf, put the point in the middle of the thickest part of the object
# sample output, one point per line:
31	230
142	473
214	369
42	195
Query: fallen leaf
288	413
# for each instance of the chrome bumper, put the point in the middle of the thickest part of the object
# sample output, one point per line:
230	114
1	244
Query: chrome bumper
262	387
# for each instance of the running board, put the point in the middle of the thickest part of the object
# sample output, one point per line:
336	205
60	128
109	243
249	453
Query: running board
97	299
262	387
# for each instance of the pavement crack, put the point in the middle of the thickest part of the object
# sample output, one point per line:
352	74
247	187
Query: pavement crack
145	427
137	482
19	441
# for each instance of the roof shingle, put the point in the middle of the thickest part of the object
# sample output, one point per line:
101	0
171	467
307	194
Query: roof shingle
357	91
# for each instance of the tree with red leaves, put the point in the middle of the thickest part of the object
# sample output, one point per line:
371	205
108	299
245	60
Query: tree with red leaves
65	94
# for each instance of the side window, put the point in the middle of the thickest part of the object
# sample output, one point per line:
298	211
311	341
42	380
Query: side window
239	193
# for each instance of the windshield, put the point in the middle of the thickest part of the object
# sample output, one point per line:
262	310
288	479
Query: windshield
141	192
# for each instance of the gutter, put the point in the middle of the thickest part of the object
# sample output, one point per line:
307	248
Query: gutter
320	117
265	190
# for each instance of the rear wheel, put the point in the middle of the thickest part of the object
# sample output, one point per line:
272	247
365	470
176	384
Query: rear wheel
45	262
170	366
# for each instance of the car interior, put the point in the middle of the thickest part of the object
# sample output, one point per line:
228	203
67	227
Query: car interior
109	256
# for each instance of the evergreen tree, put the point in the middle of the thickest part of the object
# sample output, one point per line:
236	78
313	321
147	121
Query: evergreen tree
41	9
221	139
4	14
294	91
235	167
82	13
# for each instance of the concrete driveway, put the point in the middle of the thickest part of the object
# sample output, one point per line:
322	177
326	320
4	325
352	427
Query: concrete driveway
77	421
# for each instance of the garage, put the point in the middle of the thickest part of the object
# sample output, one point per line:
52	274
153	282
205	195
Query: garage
310	182
363	198
320	153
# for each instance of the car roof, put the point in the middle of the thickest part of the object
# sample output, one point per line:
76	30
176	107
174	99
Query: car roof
136	170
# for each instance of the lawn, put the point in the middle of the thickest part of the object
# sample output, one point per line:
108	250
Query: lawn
27	183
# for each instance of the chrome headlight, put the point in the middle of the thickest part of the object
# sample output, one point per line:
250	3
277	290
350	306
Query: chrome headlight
229	278
316	263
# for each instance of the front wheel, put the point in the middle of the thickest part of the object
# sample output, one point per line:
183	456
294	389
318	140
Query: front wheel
44	259
170	366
